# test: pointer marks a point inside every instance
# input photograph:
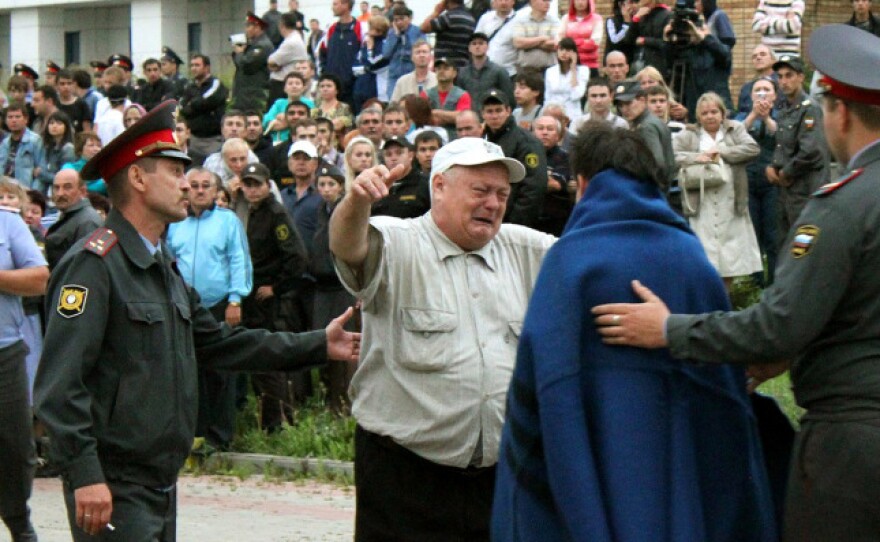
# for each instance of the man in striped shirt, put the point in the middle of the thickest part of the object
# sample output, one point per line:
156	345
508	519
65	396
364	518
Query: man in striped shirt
779	23
452	25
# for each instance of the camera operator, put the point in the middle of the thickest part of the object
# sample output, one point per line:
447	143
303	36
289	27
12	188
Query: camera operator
646	36
701	60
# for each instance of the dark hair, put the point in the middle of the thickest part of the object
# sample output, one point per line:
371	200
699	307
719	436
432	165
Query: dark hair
334	79
296	103
600	82
288	20
82	78
295	75
658	90
17	82
568	44
58	116
252	113
426	136
99	202
325	121
48	92
401	11
150	62
599	146
533	80
64	74
19	106
206	60
419	110
37	198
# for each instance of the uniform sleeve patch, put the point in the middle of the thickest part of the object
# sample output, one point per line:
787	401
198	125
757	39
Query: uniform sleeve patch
804	240
72	300
282	232
531	160
809	122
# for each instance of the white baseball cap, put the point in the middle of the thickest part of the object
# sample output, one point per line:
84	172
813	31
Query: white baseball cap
303	146
473	151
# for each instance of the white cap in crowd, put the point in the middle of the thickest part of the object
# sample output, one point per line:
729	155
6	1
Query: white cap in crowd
473	151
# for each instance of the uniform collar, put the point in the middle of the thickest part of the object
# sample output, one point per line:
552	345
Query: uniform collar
867	154
129	239
447	249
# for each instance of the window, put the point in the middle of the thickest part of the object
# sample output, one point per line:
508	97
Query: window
194	38
71	48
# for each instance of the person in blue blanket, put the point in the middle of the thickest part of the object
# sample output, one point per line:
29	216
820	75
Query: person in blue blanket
618	444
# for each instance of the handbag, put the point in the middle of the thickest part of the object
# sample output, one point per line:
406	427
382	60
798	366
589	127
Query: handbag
697	178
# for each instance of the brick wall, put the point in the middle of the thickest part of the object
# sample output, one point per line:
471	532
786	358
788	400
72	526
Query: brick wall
818	12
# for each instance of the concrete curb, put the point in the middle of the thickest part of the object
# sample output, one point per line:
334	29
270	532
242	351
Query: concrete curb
288	464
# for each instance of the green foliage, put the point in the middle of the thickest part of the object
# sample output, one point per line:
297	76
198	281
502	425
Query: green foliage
315	431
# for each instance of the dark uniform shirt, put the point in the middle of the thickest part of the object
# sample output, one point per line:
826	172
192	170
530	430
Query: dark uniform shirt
801	154
79	220
410	197
252	75
117	381
557	205
277	251
150	95
659	139
527	196
202	106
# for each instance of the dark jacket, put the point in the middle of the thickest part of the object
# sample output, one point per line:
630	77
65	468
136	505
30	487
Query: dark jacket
339	52
873	23
708	70
277	251
117	385
655	51
75	223
249	88
658	138
527	196
479	82
150	95
410	197
202	105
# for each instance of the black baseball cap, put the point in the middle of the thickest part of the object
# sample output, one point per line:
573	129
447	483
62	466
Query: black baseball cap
792	61
396	140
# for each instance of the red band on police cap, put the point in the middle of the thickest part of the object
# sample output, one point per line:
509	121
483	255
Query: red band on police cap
847	92
136	149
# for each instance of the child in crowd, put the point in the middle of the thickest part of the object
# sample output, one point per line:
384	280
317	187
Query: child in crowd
58	145
274	121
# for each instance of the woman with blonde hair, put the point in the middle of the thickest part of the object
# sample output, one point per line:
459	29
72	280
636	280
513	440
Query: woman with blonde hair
713	156
360	155
649	77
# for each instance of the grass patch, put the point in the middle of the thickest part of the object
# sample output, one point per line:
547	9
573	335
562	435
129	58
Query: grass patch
315	431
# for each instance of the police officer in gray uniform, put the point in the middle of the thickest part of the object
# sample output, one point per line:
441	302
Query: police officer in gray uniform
822	313
117	382
800	162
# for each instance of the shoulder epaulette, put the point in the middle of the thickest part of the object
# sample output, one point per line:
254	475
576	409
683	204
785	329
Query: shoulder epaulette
826	189
101	241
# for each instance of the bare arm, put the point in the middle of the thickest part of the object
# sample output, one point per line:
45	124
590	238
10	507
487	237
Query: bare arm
27	281
349	225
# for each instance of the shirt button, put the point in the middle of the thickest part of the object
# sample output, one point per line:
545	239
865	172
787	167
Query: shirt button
475	294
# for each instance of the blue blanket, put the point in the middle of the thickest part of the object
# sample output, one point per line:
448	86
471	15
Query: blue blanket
615	443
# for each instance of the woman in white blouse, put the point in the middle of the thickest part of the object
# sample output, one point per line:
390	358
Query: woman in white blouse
566	82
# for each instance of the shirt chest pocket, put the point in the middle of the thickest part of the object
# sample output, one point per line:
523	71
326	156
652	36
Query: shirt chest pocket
427	340
147	330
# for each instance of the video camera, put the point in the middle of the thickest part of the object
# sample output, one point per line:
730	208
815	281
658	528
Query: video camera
683	13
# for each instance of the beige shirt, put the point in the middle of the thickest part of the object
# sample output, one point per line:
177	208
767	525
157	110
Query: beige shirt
407	84
440	332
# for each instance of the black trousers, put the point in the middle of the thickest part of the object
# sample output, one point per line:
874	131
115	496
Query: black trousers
139	514
216	420
17	456
834	485
403	497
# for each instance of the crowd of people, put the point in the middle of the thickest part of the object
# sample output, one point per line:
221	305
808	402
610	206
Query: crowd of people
297	179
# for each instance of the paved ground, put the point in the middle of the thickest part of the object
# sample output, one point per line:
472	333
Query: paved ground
228	509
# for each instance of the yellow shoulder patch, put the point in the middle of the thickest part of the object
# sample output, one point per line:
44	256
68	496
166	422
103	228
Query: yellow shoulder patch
804	240
282	232
531	160
72	300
